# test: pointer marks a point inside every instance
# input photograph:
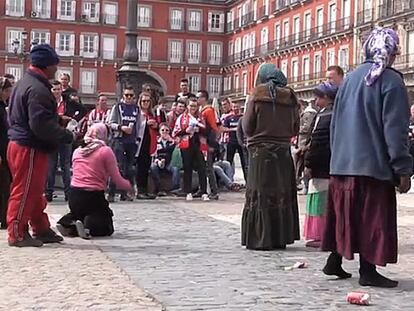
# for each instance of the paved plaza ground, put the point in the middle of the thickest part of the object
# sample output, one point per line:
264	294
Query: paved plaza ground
172	255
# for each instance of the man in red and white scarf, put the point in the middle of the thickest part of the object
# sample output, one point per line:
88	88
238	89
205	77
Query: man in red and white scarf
99	114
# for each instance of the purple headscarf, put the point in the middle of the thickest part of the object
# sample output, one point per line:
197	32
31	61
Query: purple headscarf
326	88
381	45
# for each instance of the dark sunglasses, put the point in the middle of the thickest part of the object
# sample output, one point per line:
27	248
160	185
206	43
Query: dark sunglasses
145	101
129	95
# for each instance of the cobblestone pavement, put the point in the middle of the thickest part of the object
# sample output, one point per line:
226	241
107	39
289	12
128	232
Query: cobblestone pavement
188	257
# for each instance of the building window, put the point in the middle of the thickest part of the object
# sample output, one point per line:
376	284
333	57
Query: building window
89	45
317	64
215	53
264	39
40	37
215	22
15	70
307	25
252	44
194	81
244	83
306	68
344	58
245	46
176	48
278	35
286	31
346	12
108	47
15	7
110	13
90	12
332	17
144	49
176	19
295	70
66	10
236	81
296	29
65	44
88	81
237	49
227	83
319	21
330	56
284	68
144	16
40	9
230	49
193	52
194	20
12	36
214	85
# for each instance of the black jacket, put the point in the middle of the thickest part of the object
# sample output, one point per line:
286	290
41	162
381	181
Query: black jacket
318	156
32	115
75	110
4	140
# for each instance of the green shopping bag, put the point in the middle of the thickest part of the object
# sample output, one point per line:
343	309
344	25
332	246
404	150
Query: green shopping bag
176	159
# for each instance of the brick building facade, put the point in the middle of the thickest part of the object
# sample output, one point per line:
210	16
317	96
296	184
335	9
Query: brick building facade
219	45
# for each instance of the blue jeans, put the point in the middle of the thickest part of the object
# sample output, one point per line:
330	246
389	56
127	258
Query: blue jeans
225	172
64	155
155	173
125	156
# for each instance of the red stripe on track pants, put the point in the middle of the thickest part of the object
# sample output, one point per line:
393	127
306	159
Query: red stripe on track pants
27	202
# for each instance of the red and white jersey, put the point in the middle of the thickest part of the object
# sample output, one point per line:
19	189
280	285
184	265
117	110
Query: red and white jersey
97	116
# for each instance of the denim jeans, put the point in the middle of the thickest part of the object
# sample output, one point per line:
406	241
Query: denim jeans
125	156
155	173
225	172
64	156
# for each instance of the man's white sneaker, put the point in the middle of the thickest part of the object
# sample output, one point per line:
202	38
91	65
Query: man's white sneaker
205	197
189	197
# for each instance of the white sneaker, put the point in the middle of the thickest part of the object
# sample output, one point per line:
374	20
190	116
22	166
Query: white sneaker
189	197
205	197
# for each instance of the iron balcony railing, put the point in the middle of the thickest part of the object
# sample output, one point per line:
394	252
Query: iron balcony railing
312	34
395	7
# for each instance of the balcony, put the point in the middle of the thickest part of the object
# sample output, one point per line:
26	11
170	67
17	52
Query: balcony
366	16
264	11
404	62
395	8
237	92
144	22
321	32
247	19
307	81
215	61
279	5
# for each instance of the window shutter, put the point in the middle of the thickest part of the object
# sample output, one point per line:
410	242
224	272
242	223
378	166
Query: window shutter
210	15
81	44
48	37
222	22
96	45
57	40
59	6
73	10
98	10
72	45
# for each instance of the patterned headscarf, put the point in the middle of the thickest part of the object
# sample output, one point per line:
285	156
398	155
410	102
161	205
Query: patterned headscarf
94	139
273	77
381	45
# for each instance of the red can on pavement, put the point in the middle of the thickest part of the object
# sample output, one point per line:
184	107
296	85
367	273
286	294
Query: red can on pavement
358	298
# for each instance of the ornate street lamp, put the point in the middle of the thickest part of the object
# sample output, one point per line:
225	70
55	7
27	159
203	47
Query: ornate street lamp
129	73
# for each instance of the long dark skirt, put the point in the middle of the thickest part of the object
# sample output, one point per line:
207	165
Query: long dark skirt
270	216
92	209
361	217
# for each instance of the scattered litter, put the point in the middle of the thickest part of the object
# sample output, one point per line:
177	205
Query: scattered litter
358	298
297	265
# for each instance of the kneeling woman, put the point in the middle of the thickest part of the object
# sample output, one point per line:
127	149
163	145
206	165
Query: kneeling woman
93	164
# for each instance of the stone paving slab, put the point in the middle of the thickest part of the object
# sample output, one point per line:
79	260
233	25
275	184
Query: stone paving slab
74	275
190	261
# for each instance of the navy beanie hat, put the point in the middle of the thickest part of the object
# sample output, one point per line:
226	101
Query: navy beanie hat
43	55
